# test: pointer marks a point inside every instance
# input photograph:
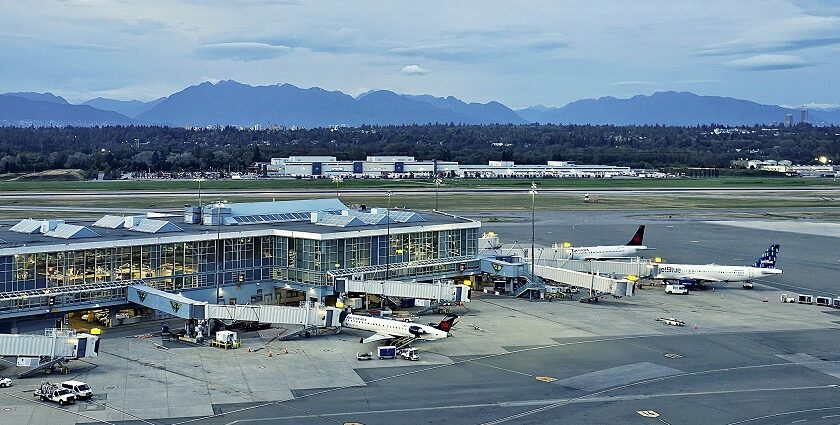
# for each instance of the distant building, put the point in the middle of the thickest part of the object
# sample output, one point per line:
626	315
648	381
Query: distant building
788	120
803	116
373	166
408	166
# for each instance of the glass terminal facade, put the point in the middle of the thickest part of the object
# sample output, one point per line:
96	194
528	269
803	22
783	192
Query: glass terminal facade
223	261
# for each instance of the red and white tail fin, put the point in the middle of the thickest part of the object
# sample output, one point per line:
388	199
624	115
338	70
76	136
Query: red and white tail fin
637	238
447	323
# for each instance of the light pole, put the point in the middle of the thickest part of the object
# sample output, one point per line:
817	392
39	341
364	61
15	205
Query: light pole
438	182
220	251
337	179
387	248
199	180
533	193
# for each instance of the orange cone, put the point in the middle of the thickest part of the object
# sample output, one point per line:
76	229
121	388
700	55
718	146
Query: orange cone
285	350
270	354
250	350
695	326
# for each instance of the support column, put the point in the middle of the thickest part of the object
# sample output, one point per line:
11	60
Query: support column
112	316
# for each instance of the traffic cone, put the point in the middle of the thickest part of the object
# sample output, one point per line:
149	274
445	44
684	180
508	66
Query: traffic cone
713	289
765	300
285	350
270	354
250	350
695	326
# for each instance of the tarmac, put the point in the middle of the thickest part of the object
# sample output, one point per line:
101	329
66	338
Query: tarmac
738	360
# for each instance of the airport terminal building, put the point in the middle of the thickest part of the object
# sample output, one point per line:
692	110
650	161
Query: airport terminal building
262	252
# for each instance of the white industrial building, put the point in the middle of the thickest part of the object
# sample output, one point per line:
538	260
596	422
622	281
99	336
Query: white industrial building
408	166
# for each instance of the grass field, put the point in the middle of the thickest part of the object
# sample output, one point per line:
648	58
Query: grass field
326	184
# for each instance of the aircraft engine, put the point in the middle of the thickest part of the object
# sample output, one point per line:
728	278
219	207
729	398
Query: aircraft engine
416	330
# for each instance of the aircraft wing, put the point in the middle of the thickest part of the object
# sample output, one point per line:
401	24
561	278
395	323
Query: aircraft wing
702	278
376	337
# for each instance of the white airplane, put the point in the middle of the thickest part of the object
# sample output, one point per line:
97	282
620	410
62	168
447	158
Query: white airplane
606	251
697	273
391	329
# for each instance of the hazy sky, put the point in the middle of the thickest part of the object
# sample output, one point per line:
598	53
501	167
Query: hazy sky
518	52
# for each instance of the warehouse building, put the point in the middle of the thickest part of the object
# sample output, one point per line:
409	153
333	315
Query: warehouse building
408	166
235	253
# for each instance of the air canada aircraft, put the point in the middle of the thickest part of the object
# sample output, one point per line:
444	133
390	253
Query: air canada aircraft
392	329
606	251
698	274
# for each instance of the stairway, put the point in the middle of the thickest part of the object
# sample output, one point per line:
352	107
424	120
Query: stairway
43	367
534	283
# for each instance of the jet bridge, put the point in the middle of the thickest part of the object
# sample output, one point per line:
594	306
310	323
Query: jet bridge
392	288
174	304
631	267
54	343
189	309
617	287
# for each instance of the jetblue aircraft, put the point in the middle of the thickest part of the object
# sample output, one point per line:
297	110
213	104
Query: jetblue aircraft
391	329
607	251
698	274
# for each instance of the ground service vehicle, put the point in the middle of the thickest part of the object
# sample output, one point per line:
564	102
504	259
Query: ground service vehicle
81	390
387	352
55	393
409	354
5	382
676	289
364	356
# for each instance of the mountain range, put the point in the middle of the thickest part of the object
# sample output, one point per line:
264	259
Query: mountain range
232	103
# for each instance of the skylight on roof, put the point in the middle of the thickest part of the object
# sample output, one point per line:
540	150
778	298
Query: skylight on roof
338	221
27	226
147	225
110	222
71	231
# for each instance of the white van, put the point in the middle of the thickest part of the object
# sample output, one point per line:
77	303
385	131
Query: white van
80	389
676	289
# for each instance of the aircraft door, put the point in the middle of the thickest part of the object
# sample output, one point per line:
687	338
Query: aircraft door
750	273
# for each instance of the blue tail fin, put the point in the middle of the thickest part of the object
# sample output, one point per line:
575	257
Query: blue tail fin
768	260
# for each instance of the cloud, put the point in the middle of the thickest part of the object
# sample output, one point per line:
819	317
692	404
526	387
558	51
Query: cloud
413	70
769	63
792	34
245	51
821	106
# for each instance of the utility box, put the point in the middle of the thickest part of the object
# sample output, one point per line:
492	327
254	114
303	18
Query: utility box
387	352
227	337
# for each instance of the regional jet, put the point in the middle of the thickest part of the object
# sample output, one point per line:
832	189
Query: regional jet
607	251
698	274
387	329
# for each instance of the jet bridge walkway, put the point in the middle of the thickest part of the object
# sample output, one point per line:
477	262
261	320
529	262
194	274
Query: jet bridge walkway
418	290
189	309
592	282
638	267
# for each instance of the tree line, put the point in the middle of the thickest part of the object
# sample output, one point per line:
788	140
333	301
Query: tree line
118	149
